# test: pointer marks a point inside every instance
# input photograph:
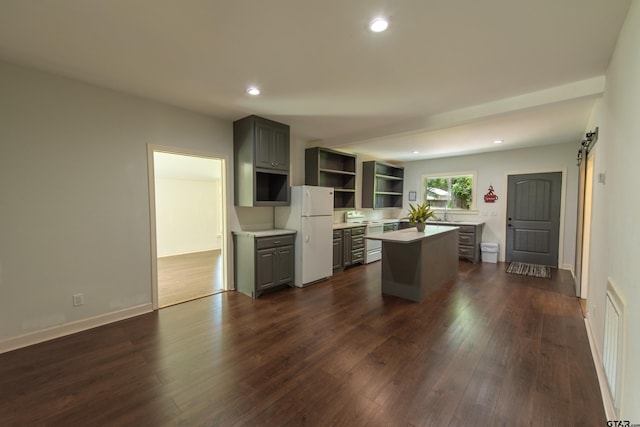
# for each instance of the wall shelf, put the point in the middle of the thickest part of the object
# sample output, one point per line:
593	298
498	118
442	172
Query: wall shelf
382	185
329	168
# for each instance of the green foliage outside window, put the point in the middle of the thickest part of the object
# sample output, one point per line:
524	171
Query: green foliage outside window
452	192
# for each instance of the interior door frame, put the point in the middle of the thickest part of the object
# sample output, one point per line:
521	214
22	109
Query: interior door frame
563	202
225	244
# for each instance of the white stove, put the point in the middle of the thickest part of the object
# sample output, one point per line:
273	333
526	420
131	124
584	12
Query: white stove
372	248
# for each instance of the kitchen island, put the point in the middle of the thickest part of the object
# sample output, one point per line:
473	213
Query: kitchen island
414	263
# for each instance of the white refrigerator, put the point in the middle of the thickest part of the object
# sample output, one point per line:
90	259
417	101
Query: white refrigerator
311	215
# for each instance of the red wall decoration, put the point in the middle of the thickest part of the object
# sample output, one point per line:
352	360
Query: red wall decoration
490	197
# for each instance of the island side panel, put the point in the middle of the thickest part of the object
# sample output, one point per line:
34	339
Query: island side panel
401	269
439	261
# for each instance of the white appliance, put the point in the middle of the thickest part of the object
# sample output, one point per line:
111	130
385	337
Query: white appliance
372	248
311	215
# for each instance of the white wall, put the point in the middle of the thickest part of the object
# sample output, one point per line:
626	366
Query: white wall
616	209
74	199
492	169
186	216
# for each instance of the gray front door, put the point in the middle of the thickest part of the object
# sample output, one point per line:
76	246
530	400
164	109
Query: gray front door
533	218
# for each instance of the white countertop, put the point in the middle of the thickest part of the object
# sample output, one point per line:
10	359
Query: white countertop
341	225
411	234
454	223
264	233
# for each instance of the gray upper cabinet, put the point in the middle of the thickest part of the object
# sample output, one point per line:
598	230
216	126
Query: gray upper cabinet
382	185
330	168
271	144
261	162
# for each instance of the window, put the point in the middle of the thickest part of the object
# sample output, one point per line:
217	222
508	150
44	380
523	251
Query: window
450	191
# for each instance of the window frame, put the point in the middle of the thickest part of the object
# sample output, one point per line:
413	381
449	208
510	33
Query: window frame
474	191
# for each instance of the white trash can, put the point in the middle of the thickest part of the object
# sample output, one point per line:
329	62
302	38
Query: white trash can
489	252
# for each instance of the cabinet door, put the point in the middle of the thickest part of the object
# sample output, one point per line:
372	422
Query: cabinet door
266	268
337	253
272	147
264	146
280	149
346	248
285	264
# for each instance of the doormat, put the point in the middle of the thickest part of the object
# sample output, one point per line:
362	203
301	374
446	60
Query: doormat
525	269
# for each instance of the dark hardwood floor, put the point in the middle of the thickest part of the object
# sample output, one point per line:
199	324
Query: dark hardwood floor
490	349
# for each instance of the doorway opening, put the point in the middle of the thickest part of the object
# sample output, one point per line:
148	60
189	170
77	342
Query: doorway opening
188	205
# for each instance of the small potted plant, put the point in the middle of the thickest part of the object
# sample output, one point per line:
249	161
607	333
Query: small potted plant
419	214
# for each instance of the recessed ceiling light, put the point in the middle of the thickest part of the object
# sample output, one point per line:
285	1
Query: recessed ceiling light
498	141
378	25
415	152
252	90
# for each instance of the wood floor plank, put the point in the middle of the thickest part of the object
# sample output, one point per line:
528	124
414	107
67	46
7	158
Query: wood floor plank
489	348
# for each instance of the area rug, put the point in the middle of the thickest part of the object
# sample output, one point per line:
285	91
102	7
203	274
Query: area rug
525	269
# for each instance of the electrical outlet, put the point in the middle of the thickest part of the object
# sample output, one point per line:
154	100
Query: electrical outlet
78	300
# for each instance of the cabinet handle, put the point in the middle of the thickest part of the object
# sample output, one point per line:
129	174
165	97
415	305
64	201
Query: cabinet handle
277	242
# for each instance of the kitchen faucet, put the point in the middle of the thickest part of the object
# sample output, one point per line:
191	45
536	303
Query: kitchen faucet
446	216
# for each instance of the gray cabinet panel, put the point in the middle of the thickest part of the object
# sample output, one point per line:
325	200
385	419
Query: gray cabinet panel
284	260
346	247
266	268
337	249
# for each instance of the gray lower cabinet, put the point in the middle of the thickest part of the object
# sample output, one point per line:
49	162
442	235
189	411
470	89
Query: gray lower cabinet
262	263
352	247
357	245
469	238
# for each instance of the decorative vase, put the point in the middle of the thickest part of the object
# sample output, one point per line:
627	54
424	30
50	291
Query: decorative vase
420	226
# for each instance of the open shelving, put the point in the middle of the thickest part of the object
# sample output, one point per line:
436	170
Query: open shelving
382	185
329	168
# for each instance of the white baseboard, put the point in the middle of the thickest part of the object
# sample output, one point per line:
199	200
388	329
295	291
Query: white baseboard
25	340
609	407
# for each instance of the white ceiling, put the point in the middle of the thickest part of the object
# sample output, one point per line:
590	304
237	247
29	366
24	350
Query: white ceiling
447	77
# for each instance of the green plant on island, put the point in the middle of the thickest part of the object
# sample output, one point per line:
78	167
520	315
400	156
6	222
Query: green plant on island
419	214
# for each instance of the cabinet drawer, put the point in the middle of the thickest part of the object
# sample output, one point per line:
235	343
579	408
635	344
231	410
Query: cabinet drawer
466	239
357	256
337	234
466	228
272	242
357	242
465	251
357	230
